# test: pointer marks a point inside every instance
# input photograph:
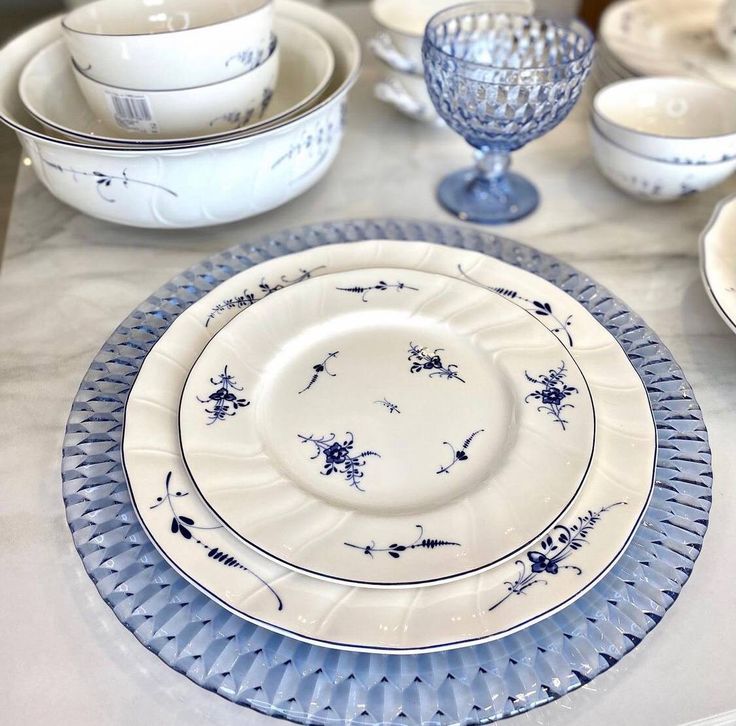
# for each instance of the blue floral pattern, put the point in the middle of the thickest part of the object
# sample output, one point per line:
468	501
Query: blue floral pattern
105	181
391	407
560	326
460	454
186	527
395	550
248	297
552	393
422	360
339	457
554	549
380	286
224	400
320	368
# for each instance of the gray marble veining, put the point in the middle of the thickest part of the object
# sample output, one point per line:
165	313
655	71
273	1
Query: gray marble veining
67	280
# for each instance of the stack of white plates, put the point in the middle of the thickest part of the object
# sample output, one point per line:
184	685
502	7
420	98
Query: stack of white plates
355	460
663	38
237	165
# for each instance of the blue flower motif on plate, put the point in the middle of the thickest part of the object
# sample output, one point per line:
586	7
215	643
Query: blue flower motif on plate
339	457
224	400
189	530
552	393
380	286
553	550
422	360
460	454
395	550
319	368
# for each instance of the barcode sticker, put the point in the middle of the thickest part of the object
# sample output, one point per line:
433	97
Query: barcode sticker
132	112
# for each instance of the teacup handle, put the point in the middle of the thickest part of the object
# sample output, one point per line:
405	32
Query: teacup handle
391	91
382	46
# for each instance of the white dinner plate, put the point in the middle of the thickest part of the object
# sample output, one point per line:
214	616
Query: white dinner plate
384	427
50	92
668	38
558	568
718	260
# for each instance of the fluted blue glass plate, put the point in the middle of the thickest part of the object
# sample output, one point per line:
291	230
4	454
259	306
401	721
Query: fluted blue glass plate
311	684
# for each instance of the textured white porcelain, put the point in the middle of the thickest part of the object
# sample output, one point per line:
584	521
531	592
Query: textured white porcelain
651	179
49	91
187	186
718	260
402	23
670	119
392	406
447	615
169	44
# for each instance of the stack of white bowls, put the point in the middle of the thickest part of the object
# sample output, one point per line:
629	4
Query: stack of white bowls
398	46
664	138
184	114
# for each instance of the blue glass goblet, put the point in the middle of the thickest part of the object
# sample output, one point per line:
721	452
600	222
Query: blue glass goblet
500	80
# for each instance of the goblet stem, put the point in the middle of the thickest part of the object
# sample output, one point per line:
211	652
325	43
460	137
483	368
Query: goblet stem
488	192
491	178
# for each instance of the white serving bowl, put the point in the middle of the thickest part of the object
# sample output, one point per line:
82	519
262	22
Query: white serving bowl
49	91
188	186
170	43
222	106
652	179
671	119
402	23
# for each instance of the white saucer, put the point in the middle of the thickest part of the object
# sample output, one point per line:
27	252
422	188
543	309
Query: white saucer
384	427
543	579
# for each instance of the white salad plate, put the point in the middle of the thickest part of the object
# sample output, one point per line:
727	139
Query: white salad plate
557	569
668	38
51	94
365	414
718	260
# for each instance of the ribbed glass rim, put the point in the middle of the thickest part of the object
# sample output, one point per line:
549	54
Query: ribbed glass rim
477	8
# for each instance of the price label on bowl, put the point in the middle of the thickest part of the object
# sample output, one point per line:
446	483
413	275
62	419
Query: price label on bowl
132	112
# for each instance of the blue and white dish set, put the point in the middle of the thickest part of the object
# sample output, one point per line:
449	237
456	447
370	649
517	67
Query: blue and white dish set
372	471
315	463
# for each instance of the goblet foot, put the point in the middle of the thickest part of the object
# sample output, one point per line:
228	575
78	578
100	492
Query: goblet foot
477	200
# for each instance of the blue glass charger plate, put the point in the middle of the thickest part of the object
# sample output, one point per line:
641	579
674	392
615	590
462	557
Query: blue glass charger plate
310	684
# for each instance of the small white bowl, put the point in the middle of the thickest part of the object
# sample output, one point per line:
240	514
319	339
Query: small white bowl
168	44
230	104
652	179
670	119
50	93
188	186
403	23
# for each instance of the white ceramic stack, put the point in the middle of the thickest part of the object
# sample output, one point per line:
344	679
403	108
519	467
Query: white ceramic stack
667	38
197	114
182	71
664	138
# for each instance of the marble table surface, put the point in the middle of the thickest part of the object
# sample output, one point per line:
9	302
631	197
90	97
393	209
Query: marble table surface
67	280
